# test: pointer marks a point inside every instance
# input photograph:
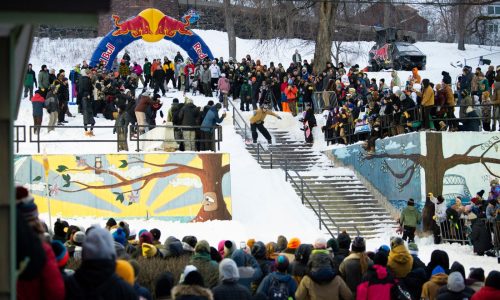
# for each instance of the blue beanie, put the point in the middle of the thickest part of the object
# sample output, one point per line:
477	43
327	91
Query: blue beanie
119	236
384	248
438	270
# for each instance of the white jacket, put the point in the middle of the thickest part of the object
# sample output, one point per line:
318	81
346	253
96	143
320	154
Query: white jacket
214	71
440	209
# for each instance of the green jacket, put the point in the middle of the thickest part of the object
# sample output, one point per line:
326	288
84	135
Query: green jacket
410	216
43	79
245	91
147	68
30	79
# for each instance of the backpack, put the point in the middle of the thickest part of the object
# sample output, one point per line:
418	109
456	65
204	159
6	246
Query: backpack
278	290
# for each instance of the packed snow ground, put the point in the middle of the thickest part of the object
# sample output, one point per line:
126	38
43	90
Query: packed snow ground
264	206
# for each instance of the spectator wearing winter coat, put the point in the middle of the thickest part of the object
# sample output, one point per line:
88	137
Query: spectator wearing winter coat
278	281
248	268
202	261
322	281
191	286
37	103
298	267
207	126
344	242
296	57
52	106
400	260
438	258
188	116
439	216
43	78
229	288
427	102
96	277
431	287
378	282
491	289
140	111
354	266
455	288
29	82
395	81
224	87
480	237
206	79
414	282
410	218
259	253
39	276
158	80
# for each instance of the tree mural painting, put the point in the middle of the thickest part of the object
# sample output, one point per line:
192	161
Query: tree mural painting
434	163
210	174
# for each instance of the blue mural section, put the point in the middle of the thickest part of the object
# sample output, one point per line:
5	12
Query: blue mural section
395	178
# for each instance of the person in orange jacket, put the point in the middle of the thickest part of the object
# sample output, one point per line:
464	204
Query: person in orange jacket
291	97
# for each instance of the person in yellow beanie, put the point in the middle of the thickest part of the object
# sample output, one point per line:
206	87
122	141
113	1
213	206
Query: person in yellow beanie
149	250
125	271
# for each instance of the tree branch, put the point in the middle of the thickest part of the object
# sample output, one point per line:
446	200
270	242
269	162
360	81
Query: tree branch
89	168
415	158
181	169
225	169
193	170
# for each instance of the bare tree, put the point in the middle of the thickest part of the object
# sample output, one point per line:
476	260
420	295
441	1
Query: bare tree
323	48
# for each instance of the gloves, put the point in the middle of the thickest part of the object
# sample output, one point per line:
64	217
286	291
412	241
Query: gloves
430	195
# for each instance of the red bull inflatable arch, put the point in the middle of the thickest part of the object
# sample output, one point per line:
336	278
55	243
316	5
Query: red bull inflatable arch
150	25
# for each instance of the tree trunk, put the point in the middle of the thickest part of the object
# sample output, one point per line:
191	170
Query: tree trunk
434	165
231	33
323	48
212	187
461	25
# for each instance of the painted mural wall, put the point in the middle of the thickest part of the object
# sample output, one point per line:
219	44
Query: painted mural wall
408	166
175	186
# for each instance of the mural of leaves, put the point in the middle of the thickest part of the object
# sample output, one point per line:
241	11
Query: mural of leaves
124	164
61	168
38	178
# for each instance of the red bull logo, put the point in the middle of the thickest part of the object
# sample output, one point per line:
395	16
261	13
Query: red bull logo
168	26
105	56
137	26
199	51
381	53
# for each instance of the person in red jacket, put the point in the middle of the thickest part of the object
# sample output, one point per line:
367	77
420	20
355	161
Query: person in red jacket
378	282
491	288
39	277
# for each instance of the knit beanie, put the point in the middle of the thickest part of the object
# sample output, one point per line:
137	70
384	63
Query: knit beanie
27	208
79	237
250	243
333	244
190	240
358	245
111	222
480	193
149	250
477	274
202	247
98	244
125	271
411	202
344	240
146	237
455	282
281	244
294	243
156	234
413	248
188	269
320	243
282	263
229	248
384	248
396	241
60	252
381	258
119	236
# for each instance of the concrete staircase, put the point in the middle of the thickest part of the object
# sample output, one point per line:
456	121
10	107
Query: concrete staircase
344	197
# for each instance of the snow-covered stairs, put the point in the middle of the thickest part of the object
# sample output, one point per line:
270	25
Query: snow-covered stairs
348	202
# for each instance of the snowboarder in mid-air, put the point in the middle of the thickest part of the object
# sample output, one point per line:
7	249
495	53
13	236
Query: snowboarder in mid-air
257	122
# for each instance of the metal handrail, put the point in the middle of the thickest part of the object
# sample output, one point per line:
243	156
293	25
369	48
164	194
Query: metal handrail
17	140
283	163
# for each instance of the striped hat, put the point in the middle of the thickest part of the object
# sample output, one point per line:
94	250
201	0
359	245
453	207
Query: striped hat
26	205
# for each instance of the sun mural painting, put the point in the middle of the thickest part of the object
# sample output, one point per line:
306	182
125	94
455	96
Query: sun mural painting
180	187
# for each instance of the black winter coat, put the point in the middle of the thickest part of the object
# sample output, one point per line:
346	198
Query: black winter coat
445	294
63	93
97	280
481	238
417	263
188	115
229	290
85	87
159	76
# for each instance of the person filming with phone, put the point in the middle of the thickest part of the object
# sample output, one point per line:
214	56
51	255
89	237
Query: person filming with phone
207	127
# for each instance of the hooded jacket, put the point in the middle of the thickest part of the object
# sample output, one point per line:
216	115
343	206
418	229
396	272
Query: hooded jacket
410	216
248	268
400	261
350	269
229	288
376	284
191	292
455	288
487	293
211	119
280	277
431	287
208	268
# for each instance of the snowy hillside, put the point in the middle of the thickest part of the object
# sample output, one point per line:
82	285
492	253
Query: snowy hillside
264	206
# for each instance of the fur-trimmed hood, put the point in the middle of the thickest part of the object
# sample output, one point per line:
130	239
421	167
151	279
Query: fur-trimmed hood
197	292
